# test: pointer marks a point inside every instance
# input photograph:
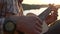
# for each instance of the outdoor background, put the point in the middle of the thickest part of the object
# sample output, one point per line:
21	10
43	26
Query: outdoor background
38	6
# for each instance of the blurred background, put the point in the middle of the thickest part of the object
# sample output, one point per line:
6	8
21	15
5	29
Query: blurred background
38	6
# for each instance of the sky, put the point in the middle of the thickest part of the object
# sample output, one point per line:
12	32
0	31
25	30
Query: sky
39	2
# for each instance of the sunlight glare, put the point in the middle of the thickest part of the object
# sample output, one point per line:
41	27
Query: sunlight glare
41	1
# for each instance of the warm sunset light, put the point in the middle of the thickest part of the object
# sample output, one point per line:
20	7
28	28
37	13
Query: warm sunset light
41	1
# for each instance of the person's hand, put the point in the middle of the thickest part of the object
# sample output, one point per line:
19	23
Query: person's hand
51	18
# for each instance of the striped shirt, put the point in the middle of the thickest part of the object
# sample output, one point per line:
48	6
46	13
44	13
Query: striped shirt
1	25
10	6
